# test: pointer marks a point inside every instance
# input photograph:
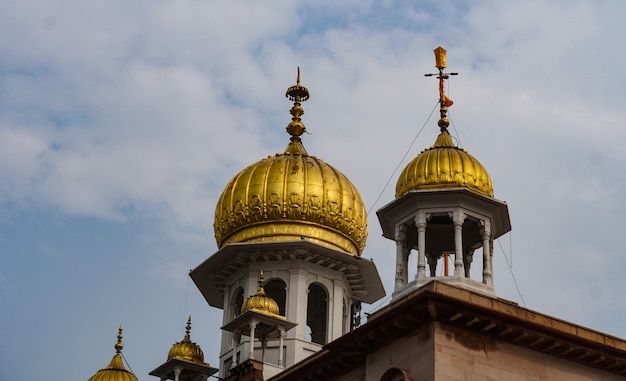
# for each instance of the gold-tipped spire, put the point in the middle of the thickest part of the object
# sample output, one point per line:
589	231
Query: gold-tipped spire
115	371
261	302
444	101
297	94
188	330
261	290
187	349
119	346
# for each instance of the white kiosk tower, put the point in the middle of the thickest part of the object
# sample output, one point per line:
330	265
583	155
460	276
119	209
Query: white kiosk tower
444	207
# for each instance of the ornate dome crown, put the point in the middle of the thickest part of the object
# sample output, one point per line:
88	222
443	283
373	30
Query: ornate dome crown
292	196
186	349
444	165
115	371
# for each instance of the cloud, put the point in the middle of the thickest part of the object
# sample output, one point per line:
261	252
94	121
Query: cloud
121	122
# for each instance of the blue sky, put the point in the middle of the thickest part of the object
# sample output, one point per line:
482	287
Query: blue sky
121	122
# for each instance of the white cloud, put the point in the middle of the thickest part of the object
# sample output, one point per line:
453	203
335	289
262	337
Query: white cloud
143	111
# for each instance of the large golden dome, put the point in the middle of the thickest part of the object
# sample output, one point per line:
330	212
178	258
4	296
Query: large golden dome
292	196
442	166
115	371
186	349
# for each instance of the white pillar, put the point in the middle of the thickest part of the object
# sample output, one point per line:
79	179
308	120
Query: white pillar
405	258
252	328
491	261
458	244
486	236
236	339
280	347
336	310
421	246
177	371
400	249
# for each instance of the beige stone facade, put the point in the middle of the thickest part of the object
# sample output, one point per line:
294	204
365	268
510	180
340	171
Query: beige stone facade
445	333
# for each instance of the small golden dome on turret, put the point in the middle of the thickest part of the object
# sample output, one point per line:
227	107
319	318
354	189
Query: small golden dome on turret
186	349
444	165
115	371
292	196
261	302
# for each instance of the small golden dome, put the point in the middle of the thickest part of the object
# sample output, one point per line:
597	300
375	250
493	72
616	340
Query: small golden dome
292	196
115	371
186	349
443	166
261	302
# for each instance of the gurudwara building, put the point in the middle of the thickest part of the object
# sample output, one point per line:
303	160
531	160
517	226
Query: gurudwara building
290	278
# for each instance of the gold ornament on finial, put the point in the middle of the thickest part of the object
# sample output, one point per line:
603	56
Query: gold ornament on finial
440	58
297	94
119	346
444	101
261	290
188	329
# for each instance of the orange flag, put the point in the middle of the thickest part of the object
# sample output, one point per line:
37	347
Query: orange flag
445	100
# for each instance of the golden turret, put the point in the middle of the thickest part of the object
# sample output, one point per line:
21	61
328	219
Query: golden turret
186	349
115	371
261	302
292	196
444	165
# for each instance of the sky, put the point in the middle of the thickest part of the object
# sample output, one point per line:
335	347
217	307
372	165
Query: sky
121	122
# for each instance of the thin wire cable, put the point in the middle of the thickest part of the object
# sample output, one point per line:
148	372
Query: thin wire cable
380	303
402	160
186	298
511	270
127	364
456	132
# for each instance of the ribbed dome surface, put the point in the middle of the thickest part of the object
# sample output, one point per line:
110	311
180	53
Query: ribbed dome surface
114	372
292	196
442	166
186	349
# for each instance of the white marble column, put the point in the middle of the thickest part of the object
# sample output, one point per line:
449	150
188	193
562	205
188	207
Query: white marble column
405	258
252	329
421	247
280	347
458	244
486	237
400	249
236	339
177	372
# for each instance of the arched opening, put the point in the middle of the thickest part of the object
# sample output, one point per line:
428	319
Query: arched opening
317	313
236	303
277	290
395	374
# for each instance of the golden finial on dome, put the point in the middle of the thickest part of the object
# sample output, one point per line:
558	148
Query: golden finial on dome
186	349
444	101
261	302
188	327
115	371
261	290
297	94
119	346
